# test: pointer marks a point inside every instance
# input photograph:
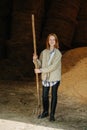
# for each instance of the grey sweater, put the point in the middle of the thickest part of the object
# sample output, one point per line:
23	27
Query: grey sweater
51	72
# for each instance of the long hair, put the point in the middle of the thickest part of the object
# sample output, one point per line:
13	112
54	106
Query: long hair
56	41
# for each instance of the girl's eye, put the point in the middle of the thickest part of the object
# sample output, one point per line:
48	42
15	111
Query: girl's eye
52	39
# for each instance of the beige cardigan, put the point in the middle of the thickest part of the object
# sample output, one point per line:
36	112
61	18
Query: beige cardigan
53	71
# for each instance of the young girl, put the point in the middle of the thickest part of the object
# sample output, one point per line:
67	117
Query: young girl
50	68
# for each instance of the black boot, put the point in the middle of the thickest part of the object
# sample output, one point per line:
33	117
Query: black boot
52	118
45	100
54	101
45	108
53	108
43	115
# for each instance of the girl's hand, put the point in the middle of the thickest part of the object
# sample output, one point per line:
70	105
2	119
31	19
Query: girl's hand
37	70
35	57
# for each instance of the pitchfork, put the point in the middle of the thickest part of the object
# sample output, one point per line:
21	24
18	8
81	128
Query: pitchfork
38	109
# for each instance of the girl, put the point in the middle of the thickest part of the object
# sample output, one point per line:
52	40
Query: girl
50	68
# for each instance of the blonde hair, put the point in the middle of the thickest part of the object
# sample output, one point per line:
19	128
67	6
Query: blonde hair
56	41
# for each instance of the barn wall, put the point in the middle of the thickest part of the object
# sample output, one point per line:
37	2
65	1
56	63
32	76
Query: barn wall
65	18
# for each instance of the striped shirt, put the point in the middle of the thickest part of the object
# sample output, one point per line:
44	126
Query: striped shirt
45	83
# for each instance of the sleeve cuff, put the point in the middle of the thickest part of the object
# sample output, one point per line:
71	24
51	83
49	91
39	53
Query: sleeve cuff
41	70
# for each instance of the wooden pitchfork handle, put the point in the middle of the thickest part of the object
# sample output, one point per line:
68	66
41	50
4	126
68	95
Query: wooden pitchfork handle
35	52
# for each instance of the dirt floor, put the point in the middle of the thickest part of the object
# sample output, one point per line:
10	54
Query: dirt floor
18	99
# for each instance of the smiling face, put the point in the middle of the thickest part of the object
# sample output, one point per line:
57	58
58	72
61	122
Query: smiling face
52	41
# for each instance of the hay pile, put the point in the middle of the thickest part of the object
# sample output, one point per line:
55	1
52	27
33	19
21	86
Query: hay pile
74	74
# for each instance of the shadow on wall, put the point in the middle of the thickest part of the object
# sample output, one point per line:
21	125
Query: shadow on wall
3	49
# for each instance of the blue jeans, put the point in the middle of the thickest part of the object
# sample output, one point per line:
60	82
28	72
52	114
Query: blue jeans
54	97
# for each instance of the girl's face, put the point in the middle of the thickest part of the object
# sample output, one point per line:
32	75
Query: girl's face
51	41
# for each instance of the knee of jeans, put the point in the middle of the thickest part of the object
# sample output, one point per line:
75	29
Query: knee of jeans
54	97
45	97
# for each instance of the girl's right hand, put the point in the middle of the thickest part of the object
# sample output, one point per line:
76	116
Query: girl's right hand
35	57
